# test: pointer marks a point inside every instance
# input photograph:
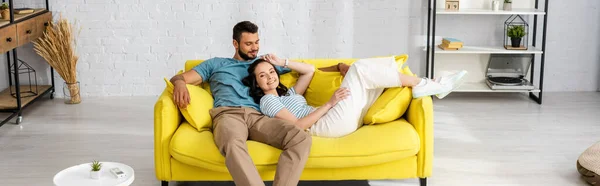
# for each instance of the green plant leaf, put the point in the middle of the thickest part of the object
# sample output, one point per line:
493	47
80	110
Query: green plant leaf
4	6
96	166
516	31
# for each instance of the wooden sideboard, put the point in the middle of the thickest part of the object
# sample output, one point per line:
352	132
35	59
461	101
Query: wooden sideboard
27	30
20	30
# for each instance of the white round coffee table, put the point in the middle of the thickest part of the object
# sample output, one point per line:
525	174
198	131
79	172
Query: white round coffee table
80	175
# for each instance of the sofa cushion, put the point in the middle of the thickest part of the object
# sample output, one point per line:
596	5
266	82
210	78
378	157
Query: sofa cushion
197	112
390	105
393	102
322	87
371	144
323	84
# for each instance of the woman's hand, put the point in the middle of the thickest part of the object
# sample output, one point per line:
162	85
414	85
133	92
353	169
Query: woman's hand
273	59
339	95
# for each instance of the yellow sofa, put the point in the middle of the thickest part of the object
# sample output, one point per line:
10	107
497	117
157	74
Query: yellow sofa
400	149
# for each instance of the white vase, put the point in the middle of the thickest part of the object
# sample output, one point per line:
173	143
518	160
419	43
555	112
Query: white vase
95	174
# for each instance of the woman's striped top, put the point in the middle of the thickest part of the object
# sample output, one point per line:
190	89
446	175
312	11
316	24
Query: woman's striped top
270	104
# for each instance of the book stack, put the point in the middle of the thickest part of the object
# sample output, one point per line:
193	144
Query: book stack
451	44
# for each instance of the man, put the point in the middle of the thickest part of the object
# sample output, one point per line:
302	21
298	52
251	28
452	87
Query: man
236	116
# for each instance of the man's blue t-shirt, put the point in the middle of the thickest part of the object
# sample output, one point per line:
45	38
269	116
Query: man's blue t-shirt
225	78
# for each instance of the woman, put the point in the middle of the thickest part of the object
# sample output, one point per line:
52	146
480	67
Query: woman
363	82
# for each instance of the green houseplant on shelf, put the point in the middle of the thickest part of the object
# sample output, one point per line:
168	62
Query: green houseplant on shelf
57	47
4	11
95	172
516	33
507	5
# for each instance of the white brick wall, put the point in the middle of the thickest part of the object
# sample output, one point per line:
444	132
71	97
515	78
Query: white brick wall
29	4
127	47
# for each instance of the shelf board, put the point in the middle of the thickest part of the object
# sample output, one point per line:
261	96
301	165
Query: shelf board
483	87
7	101
19	17
487	50
474	11
3	22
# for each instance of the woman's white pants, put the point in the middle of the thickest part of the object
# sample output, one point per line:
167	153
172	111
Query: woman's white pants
366	79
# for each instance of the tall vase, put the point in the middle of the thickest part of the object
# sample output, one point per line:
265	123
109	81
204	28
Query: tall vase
72	93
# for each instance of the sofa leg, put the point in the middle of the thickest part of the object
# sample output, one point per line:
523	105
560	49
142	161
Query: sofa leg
423	181
164	183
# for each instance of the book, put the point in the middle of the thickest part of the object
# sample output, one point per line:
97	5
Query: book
446	48
452	45
451	40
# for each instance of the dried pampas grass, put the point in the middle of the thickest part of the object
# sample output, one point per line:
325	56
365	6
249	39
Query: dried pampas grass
57	47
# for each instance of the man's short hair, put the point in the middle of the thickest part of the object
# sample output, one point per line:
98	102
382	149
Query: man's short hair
244	26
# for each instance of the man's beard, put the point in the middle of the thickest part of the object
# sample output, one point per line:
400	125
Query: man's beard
243	55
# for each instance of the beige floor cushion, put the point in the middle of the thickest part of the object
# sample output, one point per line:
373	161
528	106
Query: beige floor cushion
588	164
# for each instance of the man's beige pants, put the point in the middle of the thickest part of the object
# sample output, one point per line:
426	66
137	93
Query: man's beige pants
232	126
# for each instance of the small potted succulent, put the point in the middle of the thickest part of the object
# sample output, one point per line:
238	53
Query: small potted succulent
516	33
95	172
507	5
4	11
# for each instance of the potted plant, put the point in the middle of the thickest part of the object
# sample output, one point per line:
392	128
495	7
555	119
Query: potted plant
57	47
95	172
507	5
516	33
4	11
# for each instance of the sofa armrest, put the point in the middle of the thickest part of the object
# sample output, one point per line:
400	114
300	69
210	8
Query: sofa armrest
420	115
166	121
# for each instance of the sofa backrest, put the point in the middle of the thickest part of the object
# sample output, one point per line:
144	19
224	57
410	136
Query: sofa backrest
323	84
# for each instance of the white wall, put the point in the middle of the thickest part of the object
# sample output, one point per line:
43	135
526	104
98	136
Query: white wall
126	47
574	47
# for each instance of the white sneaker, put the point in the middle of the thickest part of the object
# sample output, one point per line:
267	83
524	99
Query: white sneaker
430	88
453	80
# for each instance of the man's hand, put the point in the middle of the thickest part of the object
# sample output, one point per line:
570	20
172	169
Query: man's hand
181	95
343	67
273	59
340	67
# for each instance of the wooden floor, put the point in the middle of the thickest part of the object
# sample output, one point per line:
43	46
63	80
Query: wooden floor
480	139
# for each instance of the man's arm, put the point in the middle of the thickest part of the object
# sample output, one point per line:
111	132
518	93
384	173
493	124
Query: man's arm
195	76
340	67
190	77
181	96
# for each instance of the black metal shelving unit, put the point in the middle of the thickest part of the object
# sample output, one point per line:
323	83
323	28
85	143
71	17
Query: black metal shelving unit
15	67
432	13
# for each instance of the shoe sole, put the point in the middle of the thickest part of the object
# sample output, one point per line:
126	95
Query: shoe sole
456	84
